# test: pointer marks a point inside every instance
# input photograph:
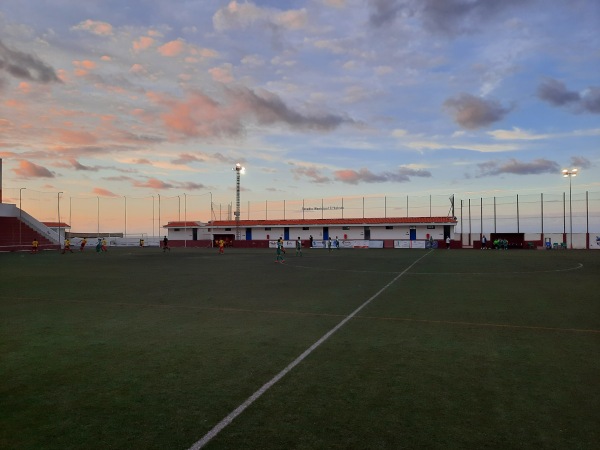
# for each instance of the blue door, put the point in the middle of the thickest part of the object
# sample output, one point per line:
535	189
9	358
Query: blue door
286	234
248	234
413	234
325	233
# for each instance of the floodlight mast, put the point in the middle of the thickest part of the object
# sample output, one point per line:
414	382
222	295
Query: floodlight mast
570	174
238	170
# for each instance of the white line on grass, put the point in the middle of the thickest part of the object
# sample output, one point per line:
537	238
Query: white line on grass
236	412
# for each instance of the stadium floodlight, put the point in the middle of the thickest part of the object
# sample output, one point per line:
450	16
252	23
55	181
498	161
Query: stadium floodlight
570	174
238	170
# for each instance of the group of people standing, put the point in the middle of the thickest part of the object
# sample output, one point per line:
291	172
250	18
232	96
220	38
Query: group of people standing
101	246
280	249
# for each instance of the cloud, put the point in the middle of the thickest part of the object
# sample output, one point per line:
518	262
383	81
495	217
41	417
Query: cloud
172	48
104	192
153	183
309	172
244	15
472	112
191	186
79	166
448	17
95	27
516	134
28	169
199	115
557	94
75	137
402	175
512	166
383	11
580	162
222	74
25	66
83	68
268	108
186	159
590	101
142	43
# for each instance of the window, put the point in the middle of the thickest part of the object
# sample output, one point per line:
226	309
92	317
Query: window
431	227
267	228
346	228
305	228
176	229
227	229
389	227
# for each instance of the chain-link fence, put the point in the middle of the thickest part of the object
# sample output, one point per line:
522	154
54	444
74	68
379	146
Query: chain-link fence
135	216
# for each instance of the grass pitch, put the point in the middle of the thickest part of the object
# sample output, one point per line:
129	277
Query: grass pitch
140	349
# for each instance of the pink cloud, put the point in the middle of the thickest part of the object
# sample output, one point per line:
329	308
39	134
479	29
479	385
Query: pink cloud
153	183
197	115
104	192
24	87
142	43
222	74
76	137
95	27
82	68
28	169
137	69
172	48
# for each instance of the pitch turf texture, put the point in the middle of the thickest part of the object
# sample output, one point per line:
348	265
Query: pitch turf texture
140	349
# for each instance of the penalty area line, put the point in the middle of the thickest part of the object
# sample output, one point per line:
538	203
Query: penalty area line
236	412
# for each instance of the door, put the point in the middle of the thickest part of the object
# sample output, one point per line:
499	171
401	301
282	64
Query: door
248	234
194	234
286	234
367	233
413	234
325	233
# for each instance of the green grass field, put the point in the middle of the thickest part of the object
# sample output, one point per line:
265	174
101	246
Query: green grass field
139	349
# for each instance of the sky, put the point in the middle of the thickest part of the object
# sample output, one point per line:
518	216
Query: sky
132	99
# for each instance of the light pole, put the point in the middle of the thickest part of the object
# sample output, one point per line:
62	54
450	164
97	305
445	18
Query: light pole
152	215
125	211
58	207
98	231
185	218
570	173
158	227
20	216
238	170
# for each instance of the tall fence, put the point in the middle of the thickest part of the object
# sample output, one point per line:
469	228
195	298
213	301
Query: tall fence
131	216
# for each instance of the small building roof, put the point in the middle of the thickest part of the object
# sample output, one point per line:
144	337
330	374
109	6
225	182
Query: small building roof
184	224
57	224
363	221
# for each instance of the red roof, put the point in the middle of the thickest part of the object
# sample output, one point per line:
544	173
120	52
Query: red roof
183	224
325	222
57	224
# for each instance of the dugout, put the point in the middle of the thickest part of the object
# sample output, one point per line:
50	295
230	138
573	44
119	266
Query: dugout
515	240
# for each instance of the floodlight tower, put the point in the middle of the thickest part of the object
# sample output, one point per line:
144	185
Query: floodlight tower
238	171
570	174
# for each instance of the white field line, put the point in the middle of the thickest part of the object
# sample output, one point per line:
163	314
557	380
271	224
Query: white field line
236	412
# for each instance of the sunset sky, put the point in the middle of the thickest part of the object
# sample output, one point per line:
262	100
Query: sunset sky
133	98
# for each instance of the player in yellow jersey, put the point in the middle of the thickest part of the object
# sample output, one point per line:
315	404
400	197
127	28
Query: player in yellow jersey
67	247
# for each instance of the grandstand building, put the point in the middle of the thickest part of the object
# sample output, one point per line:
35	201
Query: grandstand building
390	232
